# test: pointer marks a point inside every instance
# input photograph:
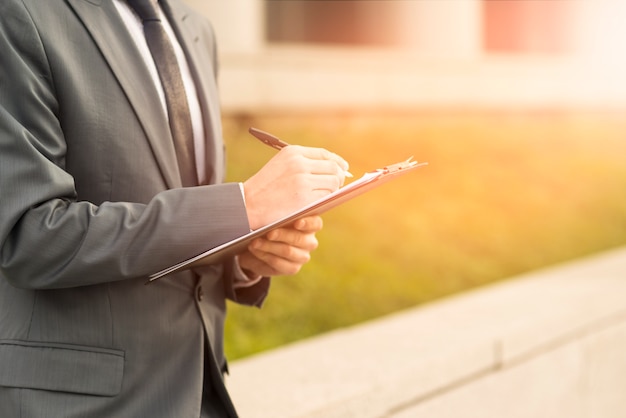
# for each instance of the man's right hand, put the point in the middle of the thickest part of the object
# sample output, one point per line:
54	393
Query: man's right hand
292	179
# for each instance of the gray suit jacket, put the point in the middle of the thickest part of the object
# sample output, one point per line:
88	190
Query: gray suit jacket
90	203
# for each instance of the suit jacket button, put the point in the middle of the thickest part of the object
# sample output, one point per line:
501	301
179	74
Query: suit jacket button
199	293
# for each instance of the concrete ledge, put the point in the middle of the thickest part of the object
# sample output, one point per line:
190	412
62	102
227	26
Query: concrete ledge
464	348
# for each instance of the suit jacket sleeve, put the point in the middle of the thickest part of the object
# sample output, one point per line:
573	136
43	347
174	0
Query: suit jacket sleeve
49	236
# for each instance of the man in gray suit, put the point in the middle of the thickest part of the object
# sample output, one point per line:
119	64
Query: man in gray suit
91	202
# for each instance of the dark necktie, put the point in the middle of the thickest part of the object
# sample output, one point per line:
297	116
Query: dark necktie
175	98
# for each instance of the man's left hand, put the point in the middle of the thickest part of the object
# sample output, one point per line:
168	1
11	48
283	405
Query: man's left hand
282	251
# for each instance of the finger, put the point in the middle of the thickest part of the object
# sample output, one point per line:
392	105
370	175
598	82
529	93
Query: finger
297	163
252	263
304	240
321	154
327	167
281	258
267	250
289	244
324	182
267	265
309	224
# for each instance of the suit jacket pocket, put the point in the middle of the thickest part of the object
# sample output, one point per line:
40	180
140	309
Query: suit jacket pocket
61	367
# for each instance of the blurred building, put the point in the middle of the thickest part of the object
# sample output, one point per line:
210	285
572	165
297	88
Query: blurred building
334	55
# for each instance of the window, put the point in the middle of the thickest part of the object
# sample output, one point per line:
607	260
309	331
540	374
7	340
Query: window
345	22
529	26
508	26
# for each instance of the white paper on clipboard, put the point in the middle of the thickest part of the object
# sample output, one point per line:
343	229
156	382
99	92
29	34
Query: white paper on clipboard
367	182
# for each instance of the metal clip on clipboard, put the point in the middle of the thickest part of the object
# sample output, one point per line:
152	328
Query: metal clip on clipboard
402	165
367	182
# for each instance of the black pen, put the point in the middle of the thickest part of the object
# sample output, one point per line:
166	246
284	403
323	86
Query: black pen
275	142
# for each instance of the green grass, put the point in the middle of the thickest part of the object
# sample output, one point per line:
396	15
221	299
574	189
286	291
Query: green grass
503	193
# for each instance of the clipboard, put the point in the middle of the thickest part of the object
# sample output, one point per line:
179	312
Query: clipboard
367	182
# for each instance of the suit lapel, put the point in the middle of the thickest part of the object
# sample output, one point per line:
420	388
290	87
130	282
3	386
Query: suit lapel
202	70
107	29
